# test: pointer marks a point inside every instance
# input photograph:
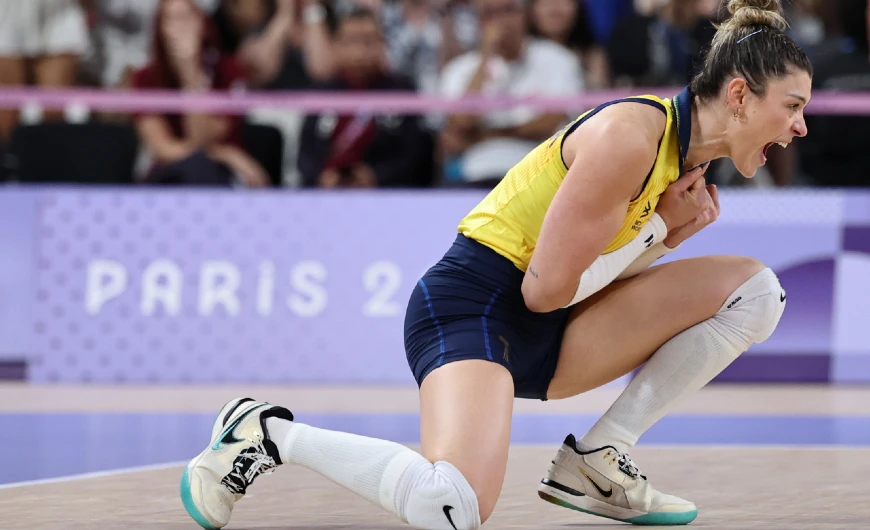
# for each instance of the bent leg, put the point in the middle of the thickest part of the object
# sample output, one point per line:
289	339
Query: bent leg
454	485
619	328
465	419
687	320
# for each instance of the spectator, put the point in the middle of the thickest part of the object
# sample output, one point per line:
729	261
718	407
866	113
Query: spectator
364	150
284	44
480	149
422	36
42	39
835	152
659	43
120	41
567	23
193	148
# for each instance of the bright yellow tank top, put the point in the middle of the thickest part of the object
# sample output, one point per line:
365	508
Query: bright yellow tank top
509	218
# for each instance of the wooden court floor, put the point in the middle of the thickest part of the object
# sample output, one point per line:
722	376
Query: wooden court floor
736	487
733	488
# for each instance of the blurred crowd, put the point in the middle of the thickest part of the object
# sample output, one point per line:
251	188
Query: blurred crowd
439	47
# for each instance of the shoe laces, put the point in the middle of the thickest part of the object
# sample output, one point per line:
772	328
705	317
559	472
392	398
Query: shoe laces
624	462
251	463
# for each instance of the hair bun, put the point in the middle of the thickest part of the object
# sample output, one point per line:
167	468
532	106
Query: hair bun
747	13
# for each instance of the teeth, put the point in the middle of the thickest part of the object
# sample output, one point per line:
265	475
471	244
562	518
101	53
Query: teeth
782	144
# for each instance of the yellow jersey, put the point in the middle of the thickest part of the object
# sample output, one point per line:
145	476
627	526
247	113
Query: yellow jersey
508	220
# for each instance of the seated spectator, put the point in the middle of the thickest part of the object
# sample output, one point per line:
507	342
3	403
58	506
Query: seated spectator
40	40
480	149
567	23
364	149
193	148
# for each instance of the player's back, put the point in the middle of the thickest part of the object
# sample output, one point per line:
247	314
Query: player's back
508	220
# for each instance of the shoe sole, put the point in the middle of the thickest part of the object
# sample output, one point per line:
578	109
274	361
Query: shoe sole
190	505
186	486
552	494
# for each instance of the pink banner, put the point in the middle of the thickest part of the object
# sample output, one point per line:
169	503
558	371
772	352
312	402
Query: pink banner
823	102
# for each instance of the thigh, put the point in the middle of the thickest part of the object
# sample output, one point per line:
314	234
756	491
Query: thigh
13	71
619	328
56	70
465	419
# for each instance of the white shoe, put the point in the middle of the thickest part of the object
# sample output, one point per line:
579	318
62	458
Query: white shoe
224	415
218	477
606	483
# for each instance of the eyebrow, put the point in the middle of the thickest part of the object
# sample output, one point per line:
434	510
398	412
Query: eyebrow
796	96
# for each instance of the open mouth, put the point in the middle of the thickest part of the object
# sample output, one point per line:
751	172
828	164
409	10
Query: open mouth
768	146
771	144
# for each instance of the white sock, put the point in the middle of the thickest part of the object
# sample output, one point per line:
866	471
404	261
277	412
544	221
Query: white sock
388	474
690	360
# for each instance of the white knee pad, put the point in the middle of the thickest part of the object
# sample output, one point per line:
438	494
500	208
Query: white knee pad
437	497
752	312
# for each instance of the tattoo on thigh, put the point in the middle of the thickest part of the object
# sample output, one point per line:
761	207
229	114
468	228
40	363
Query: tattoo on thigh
533	272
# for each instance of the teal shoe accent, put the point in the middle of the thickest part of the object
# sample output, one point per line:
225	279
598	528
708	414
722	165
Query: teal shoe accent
664	519
187	500
650	519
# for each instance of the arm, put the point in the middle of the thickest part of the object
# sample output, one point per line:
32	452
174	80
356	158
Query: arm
263	55
165	147
538	129
590	206
490	35
565	78
468	122
650	256
317	46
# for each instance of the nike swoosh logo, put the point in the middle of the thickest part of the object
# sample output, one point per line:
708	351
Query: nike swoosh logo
227	437
607	493
782	297
447	513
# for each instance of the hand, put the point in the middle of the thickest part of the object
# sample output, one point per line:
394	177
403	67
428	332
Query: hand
330	178
684	200
286	8
363	176
246	168
705	218
491	37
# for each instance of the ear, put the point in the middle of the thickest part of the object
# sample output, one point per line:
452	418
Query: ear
736	92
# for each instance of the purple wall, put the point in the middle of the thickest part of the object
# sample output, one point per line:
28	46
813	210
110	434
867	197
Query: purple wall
221	286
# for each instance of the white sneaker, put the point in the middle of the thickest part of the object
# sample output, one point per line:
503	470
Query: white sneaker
224	415
218	477
606	483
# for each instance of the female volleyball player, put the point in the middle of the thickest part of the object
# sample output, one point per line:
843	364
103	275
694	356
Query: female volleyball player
546	294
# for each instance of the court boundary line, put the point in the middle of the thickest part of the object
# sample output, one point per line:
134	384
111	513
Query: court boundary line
92	475
168	465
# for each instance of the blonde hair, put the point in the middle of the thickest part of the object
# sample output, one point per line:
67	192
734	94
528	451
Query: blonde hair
752	44
751	13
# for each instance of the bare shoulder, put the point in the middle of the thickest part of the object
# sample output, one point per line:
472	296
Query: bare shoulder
627	130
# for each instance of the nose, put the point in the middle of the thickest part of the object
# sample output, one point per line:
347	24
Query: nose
800	127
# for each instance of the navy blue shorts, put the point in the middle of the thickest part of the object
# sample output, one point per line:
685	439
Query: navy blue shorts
470	306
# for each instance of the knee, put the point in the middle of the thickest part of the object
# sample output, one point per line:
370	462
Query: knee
440	498
753	310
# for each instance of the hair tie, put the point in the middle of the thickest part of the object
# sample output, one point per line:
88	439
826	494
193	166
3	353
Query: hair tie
751	34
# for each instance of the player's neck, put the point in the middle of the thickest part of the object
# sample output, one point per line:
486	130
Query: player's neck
709	139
